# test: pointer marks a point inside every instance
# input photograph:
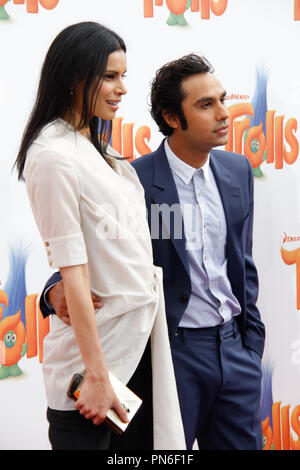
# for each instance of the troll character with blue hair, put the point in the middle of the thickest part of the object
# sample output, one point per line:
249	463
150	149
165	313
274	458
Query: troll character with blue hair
13	344
259	103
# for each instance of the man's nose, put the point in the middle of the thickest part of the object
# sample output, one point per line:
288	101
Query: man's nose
223	112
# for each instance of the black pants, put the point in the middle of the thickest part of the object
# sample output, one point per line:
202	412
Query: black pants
69	430
139	434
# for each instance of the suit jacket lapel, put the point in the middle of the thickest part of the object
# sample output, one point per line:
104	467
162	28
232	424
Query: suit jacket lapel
164	192
230	195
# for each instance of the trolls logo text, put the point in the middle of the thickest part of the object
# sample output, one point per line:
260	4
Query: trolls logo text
297	10
32	6
278	436
178	7
260	146
124	142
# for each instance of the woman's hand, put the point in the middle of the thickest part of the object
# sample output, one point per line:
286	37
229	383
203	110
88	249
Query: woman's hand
96	398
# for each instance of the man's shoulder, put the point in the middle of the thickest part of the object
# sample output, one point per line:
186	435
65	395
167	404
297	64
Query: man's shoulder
145	165
146	161
230	159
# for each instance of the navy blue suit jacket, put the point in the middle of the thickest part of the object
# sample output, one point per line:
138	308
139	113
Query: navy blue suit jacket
233	175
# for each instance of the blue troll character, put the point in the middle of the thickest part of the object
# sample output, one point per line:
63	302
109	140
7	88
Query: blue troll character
259	103
266	404
12	318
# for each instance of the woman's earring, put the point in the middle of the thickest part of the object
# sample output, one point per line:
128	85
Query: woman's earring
71	92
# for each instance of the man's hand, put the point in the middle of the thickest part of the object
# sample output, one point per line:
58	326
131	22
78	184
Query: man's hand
56	298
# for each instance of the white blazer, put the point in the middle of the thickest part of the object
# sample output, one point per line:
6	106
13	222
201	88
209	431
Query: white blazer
89	210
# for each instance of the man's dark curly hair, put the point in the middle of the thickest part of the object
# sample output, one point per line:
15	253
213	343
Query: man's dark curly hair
166	90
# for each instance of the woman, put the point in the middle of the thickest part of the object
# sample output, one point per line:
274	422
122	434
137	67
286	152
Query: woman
90	210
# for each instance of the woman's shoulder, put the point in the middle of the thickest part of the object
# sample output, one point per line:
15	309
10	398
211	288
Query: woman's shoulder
55	144
57	135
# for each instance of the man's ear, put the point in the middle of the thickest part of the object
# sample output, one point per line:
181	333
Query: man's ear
171	119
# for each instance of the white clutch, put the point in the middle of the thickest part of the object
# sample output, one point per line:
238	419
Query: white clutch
128	399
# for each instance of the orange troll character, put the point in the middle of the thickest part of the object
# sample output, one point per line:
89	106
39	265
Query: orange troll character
12	337
177	10
3	13
267	435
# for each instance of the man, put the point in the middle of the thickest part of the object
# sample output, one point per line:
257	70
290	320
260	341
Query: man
200	210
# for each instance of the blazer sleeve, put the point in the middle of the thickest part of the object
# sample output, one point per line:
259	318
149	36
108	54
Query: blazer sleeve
53	187
255	330
45	307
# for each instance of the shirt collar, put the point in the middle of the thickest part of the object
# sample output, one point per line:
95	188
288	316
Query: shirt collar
182	169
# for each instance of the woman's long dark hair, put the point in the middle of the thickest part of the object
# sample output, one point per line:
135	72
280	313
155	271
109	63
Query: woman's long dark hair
79	54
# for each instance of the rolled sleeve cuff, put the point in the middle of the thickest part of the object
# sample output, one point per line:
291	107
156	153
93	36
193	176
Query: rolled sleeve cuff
69	250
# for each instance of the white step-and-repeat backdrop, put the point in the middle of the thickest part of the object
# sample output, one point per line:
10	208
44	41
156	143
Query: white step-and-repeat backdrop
253	45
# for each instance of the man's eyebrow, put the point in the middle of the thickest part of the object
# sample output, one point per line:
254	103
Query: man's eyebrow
210	98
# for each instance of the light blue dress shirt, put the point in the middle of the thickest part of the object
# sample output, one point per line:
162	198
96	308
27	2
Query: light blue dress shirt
212	301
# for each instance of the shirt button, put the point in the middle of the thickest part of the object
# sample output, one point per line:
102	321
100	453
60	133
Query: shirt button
50	262
46	243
